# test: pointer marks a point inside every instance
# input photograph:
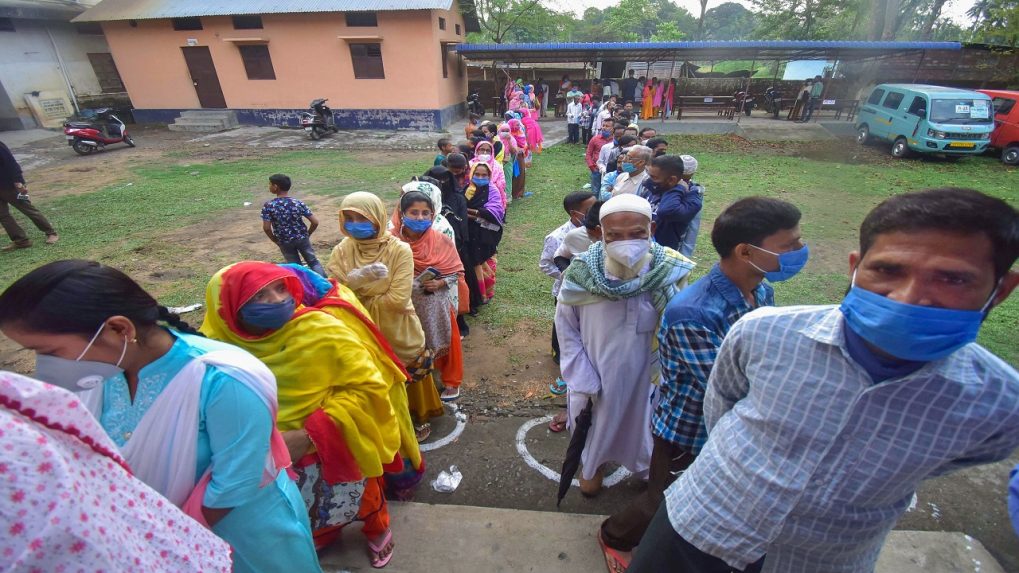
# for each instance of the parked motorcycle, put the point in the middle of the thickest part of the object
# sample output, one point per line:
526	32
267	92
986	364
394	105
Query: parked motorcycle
99	129
319	120
773	101
743	101
474	104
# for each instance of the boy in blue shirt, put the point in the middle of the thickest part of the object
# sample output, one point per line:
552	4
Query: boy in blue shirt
283	222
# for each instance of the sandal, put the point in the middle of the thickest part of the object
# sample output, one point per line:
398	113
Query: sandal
450	397
614	560
375	551
422	432
557	388
558	423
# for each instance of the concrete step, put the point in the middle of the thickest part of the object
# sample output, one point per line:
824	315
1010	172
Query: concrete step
210	114
202	120
200	127
458	538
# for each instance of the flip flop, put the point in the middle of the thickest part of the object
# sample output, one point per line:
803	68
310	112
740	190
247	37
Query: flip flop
450	398
615	562
378	562
422	432
557	388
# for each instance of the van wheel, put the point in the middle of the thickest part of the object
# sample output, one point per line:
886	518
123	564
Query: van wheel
1011	155
863	135
900	148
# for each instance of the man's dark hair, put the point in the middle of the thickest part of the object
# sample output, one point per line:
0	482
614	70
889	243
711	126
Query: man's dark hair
280	180
574	200
478	133
456	160
750	220
656	141
618	127
626	141
490	128
466	149
443	142
608	119
670	164
644	130
629	101
592	221
949	209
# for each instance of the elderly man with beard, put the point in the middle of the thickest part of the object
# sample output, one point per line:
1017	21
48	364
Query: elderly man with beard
610	305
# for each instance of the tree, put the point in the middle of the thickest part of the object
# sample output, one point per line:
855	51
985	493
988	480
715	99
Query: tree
498	18
634	19
728	21
667	32
996	21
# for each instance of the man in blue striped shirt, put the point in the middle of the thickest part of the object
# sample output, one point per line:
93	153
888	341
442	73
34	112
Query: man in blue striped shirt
751	236
822	421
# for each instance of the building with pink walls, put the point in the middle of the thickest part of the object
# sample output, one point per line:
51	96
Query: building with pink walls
381	63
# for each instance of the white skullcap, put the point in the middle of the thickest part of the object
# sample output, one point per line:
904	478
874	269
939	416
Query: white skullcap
689	164
625	203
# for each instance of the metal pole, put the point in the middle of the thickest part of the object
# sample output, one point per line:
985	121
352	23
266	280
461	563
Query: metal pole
63	71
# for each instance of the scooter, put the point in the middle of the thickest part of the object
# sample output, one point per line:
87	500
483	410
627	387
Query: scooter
744	102
773	101
319	120
100	129
474	104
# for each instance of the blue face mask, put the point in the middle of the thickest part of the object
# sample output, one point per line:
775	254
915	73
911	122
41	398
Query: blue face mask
606	133
271	315
417	225
480	181
909	331
789	264
629	168
361	230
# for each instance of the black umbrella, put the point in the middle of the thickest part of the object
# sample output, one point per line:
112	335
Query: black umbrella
573	451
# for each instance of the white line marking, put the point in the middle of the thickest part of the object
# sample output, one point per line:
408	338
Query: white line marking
461	423
616	477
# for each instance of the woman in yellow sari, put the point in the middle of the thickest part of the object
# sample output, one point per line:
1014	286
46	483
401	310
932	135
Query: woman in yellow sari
341	394
648	102
379	269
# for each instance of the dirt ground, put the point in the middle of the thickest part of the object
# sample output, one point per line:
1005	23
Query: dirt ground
505	392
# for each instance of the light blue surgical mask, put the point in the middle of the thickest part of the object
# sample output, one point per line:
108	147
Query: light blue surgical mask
789	263
480	180
629	167
909	331
417	225
77	375
270	315
360	230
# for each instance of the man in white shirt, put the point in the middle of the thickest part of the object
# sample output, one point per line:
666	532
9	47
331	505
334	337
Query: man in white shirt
634	172
606	150
573	111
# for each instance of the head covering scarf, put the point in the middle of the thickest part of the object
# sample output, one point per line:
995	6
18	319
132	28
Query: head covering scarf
498	177
535	138
509	143
52	445
439	222
431	249
329	383
517	132
481	197
369	206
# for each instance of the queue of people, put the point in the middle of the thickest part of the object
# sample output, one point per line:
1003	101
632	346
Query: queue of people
774	439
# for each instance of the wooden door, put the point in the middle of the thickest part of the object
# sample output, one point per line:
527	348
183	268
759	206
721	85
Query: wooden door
203	76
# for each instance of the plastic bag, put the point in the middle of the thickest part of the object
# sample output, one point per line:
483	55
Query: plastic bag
448	481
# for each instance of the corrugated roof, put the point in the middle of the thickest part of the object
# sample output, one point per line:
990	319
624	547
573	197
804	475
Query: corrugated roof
41	9
109	10
698	51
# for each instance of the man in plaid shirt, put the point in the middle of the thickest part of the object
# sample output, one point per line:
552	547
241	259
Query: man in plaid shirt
749	236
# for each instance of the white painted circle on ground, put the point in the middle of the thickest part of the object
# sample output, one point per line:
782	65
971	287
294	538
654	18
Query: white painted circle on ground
616	477
461	423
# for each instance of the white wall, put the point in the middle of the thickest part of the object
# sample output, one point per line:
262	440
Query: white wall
28	62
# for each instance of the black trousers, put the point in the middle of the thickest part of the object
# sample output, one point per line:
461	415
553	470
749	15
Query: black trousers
624	529
573	131
555	339
662	549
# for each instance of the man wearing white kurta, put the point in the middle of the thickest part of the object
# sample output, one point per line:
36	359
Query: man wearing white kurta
610	305
634	170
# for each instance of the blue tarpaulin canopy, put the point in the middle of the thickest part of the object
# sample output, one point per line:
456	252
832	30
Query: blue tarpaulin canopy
695	51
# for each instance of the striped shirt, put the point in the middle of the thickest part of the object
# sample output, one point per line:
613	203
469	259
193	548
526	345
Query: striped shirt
811	463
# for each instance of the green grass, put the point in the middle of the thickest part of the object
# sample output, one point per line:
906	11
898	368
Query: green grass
835	185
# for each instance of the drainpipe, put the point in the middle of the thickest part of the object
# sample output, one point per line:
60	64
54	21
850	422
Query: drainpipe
63	71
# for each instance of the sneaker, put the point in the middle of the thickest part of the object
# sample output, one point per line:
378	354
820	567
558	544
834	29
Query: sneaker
50	239
15	246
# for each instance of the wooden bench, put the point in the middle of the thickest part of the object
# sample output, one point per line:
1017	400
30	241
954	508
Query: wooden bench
722	106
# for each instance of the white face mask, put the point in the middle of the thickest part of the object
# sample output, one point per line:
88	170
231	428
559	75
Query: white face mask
77	375
628	253
484	157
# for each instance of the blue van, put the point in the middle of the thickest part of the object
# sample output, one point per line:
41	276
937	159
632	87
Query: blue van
917	118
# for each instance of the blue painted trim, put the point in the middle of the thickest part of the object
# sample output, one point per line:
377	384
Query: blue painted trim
412	119
716	45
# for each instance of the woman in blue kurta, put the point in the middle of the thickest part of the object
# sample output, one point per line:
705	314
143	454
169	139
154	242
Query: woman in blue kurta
194	418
